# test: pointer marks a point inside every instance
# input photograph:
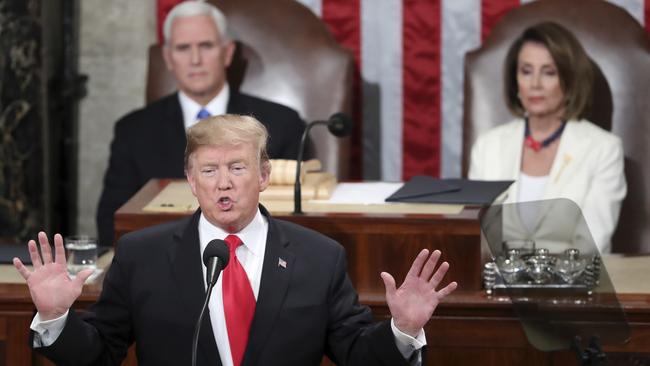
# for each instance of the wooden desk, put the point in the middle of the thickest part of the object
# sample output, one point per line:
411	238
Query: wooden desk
469	327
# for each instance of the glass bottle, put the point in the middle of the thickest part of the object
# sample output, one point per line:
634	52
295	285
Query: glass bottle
540	266
571	266
512	266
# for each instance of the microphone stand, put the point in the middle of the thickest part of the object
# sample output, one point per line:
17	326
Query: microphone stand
297	194
197	329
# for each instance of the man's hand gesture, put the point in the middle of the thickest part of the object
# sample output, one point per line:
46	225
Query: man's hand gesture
52	290
413	303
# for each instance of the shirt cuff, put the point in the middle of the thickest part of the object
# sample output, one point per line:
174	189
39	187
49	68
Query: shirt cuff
406	344
47	331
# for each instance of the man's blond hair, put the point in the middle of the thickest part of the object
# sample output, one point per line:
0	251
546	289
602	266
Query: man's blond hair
227	130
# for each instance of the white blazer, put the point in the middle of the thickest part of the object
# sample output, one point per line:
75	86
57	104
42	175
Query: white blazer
588	170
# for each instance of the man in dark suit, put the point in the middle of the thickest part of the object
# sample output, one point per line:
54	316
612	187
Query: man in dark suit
149	143
283	299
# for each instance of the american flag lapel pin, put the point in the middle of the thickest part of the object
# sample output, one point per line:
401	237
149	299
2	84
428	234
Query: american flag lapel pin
282	263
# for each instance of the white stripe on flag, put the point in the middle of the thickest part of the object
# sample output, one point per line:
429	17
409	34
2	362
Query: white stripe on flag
461	32
381	74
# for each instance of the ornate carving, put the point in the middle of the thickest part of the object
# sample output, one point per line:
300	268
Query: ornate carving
21	137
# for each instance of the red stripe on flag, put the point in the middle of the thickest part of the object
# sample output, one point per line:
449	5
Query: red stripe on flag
163	8
646	16
491	13
343	18
421	41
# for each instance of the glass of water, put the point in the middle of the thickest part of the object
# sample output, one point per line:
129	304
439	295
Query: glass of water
81	251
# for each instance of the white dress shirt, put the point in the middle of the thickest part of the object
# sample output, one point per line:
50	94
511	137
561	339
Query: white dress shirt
216	106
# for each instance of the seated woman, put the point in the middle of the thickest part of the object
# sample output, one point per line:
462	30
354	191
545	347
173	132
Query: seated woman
550	150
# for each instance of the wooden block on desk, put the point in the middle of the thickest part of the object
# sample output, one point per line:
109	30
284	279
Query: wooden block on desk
318	185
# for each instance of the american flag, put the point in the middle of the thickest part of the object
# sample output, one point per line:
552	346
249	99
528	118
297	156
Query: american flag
282	263
409	54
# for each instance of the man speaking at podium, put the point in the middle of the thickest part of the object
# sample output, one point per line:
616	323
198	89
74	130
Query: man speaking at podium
284	297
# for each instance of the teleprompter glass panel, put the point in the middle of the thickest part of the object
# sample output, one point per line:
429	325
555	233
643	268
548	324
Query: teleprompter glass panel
545	259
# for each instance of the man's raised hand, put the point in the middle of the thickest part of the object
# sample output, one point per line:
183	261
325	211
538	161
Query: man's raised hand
413	303
53	291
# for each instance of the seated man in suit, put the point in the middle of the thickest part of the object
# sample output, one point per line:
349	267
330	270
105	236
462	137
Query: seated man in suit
149	142
283	299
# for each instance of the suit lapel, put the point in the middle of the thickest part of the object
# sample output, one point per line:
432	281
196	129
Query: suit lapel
512	159
273	289
235	104
566	161
185	262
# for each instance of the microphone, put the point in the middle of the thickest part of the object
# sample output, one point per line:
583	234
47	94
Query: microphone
339	125
215	258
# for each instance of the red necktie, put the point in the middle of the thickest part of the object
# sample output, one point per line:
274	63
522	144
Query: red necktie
238	302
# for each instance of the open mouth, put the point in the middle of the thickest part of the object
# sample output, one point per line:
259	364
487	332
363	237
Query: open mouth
225	203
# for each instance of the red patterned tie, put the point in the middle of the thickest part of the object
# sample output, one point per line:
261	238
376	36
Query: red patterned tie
238	302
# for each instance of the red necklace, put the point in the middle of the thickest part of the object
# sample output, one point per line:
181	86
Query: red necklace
536	145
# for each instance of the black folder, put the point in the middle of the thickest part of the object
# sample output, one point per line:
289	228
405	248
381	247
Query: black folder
426	189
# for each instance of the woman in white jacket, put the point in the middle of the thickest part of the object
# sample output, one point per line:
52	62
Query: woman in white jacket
550	151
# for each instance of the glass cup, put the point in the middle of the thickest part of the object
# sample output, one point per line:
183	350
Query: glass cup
81	251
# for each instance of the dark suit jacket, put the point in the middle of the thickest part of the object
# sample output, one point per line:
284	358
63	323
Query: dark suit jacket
150	143
154	291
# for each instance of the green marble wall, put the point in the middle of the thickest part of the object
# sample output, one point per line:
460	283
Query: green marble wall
21	120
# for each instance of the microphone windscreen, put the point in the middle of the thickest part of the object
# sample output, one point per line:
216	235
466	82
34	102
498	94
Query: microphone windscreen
216	248
340	125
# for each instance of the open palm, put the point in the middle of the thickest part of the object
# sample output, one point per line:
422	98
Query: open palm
53	291
413	303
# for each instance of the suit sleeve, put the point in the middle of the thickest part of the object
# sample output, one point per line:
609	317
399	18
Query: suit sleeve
352	337
605	195
476	163
120	183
